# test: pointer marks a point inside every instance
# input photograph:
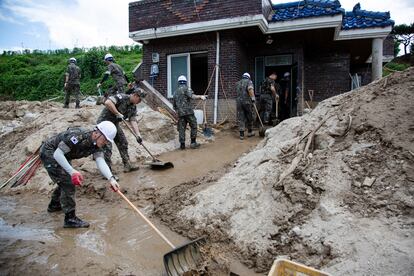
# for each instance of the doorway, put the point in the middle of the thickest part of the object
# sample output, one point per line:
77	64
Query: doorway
199	73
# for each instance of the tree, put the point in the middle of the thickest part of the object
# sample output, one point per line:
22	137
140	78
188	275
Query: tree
405	34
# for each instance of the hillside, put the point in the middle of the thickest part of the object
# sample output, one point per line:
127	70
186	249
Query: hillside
40	76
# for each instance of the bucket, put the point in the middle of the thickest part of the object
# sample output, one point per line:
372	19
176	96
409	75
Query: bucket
199	116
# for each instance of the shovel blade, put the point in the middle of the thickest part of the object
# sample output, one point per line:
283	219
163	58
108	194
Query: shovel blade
262	132
184	260
159	165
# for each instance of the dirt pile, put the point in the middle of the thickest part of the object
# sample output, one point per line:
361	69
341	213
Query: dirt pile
332	189
24	125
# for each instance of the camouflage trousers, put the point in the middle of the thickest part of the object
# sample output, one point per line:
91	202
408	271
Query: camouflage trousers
64	193
72	89
182	124
117	88
244	115
122	145
266	105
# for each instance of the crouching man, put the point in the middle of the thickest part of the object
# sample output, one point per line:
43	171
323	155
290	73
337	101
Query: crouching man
56	154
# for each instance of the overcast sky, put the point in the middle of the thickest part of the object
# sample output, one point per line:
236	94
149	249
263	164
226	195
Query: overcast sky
51	24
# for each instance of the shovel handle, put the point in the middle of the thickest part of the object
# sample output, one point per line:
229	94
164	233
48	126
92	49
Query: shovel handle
146	220
257	112
133	133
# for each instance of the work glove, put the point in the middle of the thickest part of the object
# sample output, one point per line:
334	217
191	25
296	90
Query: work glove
253	99
66	84
139	139
114	184
119	117
203	97
76	178
98	85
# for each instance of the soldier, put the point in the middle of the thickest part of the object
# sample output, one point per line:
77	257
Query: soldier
245	101
56	154
117	73
284	96
120	107
182	105
72	82
269	93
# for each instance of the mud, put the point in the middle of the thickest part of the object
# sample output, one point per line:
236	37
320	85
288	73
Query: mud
118	241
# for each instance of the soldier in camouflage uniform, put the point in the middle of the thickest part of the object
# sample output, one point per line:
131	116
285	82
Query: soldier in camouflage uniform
120	107
182	105
72	82
269	92
117	73
56	154
245	101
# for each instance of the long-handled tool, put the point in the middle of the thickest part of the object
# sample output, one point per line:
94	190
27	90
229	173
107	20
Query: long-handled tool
277	121
208	132
180	260
262	129
155	164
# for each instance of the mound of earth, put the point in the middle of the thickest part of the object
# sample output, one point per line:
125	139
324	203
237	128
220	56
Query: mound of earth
332	189
24	125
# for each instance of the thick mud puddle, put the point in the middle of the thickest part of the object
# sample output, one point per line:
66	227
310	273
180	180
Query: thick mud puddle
118	242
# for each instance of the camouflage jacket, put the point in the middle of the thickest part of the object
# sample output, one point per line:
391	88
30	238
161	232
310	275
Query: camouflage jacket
74	74
123	105
242	89
75	142
182	100
117	73
266	85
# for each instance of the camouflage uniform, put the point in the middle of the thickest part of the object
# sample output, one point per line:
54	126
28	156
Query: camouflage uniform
118	75
266	99
73	84
244	104
182	105
76	143
129	110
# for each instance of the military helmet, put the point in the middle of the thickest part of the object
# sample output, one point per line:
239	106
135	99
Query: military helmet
286	75
108	130
72	60
246	76
182	79
141	93
108	57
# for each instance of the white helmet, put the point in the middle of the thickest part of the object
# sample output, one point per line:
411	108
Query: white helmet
109	57
287	74
182	78
108	130
246	76
72	59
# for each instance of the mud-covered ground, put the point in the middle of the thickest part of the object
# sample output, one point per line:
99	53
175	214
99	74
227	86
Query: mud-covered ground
118	241
333	189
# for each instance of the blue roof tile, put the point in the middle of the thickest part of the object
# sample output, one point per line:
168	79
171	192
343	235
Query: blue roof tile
303	9
359	19
355	19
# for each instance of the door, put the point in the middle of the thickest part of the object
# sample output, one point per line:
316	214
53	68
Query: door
177	65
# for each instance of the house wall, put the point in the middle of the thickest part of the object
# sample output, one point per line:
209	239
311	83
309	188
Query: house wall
327	74
148	14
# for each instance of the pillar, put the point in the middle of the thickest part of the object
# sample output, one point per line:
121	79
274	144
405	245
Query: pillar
377	58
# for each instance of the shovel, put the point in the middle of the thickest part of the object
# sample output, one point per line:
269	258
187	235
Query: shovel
262	129
207	132
277	121
180	260
155	164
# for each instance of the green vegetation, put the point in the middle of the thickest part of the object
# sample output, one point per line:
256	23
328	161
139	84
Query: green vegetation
40	76
393	66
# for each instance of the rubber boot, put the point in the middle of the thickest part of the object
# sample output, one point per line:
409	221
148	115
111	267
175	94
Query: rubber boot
72	221
194	144
241	135
77	104
182	146
250	133
129	168
54	207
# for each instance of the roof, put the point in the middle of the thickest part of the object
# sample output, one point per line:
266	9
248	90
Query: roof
359	19
355	19
304	9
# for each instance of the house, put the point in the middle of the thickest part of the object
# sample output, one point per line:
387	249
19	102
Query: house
317	41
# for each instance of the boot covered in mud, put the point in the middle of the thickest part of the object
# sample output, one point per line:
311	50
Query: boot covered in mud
194	144
182	146
72	221
54	207
241	135
250	133
129	168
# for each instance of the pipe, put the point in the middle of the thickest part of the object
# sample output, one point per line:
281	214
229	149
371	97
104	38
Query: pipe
217	76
